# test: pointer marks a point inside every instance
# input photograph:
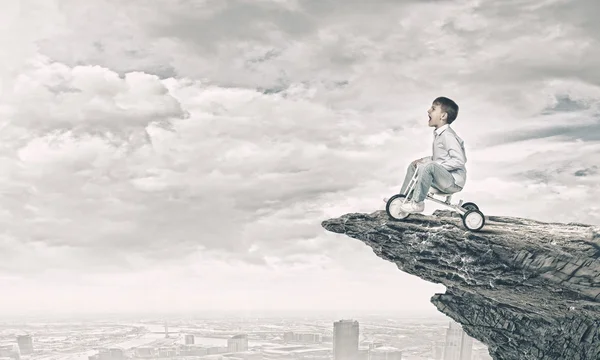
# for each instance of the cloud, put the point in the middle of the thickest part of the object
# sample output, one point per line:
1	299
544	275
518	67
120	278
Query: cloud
233	175
188	135
86	99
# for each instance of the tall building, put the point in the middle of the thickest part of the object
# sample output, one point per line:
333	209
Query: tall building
25	344
345	340
459	345
189	339
237	343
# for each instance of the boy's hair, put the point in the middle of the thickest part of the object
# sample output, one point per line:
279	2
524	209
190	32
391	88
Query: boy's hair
449	107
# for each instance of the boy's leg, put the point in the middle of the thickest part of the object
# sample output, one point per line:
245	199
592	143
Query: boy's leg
433	174
429	174
410	172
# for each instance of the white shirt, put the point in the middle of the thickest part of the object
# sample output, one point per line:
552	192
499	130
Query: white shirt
449	151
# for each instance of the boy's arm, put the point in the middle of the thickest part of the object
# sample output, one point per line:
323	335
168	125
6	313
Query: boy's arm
457	154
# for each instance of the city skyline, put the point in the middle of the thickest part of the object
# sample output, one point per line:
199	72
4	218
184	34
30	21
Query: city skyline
181	156
314	338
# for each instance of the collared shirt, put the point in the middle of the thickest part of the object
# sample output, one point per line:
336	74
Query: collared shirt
449	151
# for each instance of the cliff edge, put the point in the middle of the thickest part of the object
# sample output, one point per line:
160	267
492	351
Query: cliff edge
527	289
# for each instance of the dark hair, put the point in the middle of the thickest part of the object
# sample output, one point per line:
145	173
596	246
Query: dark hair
449	107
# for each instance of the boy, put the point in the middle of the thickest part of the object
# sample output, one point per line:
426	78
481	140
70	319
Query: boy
445	169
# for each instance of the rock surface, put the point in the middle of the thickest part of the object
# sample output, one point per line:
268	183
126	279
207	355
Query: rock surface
526	289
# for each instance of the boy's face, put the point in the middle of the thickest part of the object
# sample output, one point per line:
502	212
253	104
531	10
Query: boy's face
437	117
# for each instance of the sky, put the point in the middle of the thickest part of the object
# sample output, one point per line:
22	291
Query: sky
180	155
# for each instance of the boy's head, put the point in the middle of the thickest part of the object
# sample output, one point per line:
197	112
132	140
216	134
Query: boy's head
442	111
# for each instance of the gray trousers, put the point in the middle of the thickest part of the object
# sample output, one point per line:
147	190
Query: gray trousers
430	174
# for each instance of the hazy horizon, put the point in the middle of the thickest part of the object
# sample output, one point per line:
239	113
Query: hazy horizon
182	155
199	314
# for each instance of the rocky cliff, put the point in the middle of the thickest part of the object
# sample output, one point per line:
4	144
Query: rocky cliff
527	289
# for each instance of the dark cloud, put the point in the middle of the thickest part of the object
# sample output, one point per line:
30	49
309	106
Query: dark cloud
564	103
565	131
581	14
587	172
223	41
234	21
559	174
557	125
519	41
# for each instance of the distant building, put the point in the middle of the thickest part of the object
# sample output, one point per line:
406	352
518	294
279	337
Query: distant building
9	351
25	343
189	339
116	353
288	336
167	351
345	340
302	337
459	345
192	350
385	353
246	355
237	343
374	345
437	350
108	354
309	338
216	350
144	352
363	353
295	352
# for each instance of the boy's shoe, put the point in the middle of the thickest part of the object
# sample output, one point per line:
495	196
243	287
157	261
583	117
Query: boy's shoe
412	207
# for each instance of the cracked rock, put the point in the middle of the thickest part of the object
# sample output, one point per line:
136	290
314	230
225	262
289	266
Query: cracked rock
527	289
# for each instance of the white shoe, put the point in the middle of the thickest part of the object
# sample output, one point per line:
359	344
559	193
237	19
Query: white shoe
412	207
